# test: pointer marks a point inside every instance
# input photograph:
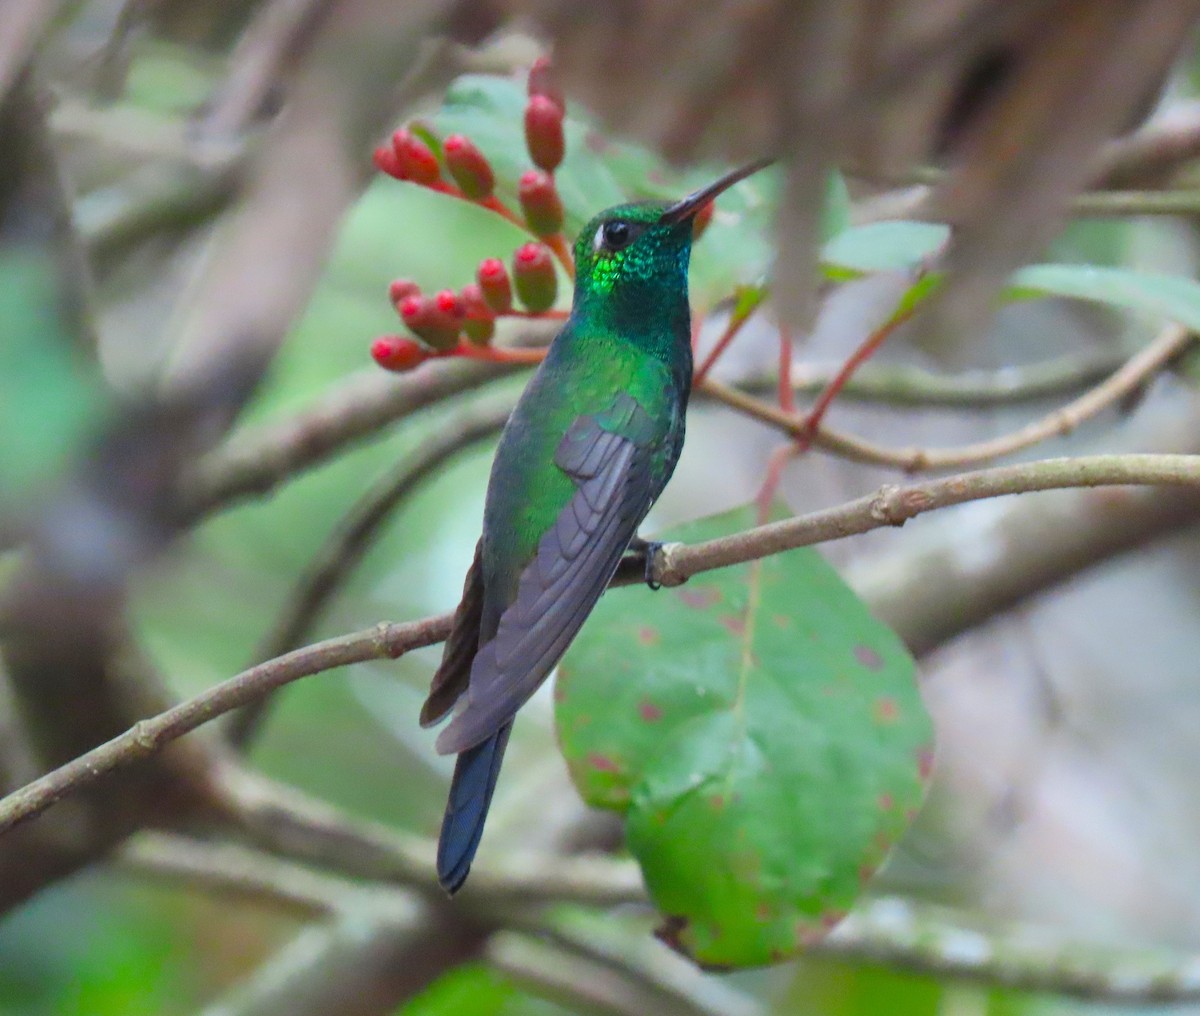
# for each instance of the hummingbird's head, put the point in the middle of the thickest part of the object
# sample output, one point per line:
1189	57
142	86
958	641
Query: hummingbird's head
641	250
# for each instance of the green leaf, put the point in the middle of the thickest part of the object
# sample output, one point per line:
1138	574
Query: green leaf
890	246
1169	296
763	734
880	247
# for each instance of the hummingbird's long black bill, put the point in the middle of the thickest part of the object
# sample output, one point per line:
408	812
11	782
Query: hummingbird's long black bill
690	205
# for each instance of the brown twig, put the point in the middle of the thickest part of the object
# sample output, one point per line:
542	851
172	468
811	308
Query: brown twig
890	506
1153	151
906	385
1139	369
259	459
274	43
236	872
574	981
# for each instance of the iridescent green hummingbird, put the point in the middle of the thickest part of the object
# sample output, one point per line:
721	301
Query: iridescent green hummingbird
588	449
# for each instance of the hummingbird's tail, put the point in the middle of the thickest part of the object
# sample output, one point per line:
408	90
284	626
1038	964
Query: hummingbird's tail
471	789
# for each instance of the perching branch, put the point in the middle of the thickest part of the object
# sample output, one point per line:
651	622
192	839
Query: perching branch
889	506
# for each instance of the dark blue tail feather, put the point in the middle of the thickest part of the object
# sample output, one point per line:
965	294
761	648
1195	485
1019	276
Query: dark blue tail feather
466	810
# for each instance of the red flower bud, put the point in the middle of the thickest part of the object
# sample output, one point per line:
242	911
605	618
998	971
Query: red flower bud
544	132
701	220
480	320
448	303
401	289
544	81
534	276
469	168
494	284
427	320
385	161
395	352
415	158
540	203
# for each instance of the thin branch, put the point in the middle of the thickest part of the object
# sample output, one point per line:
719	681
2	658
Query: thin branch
737	319
237	872
272	45
890	506
906	385
846	446
894	505
1154	150
1139	369
349	542
259	459
655	967
574	981
288	822
933	941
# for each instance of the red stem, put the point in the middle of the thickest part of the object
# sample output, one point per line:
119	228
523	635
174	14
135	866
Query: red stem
493	203
860	356
554	315
733	326
770	485
558	246
495	354
787	395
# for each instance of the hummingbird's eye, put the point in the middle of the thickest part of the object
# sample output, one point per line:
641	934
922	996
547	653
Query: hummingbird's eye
615	235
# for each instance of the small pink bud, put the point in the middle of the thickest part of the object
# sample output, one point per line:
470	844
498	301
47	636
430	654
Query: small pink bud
540	203
544	132
448	303
386	162
534	277
494	284
400	289
426	319
416	160
544	81
480	320
395	352
469	167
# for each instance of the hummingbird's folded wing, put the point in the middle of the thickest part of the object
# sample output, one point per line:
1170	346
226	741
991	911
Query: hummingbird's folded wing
452	675
612	458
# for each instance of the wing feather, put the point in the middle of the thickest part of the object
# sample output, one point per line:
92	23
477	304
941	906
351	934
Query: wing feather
452	675
616	483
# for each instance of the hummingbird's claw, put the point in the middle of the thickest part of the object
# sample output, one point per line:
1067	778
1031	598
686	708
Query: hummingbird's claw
649	551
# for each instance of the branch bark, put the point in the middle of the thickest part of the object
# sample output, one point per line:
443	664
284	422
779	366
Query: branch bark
890	506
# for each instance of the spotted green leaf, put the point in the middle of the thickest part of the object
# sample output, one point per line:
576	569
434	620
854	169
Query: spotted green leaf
763	735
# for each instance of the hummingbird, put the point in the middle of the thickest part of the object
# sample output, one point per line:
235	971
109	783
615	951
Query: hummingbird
588	449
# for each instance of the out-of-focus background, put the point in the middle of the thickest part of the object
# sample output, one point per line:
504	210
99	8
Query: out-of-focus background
225	271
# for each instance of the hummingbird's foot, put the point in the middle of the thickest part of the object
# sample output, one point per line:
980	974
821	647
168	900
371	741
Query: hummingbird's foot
648	549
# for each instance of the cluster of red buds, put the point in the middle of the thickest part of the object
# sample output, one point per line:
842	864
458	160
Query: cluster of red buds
462	323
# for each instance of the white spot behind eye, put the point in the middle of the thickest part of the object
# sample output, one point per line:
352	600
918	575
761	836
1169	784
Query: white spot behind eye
598	239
